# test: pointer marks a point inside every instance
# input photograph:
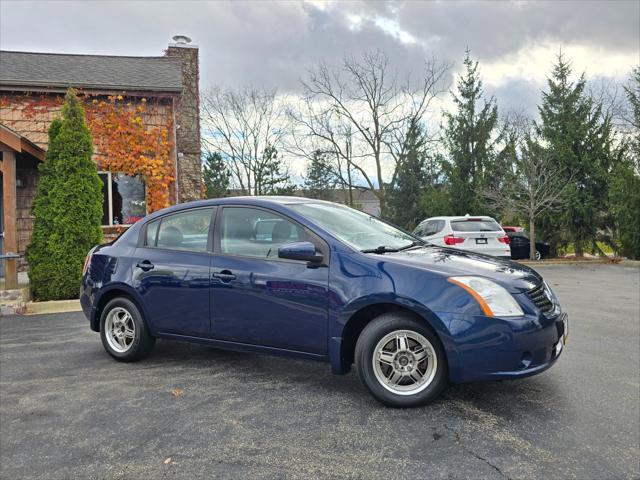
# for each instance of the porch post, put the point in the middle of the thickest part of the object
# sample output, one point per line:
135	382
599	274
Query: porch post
10	212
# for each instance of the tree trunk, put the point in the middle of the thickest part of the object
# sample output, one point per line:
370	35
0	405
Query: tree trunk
532	238
579	249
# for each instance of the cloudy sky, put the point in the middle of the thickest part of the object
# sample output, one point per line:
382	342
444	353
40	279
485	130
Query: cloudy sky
272	43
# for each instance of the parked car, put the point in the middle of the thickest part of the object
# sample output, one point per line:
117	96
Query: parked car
520	245
327	283
475	234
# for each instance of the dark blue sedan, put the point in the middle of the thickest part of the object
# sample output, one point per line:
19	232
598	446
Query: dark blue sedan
322	281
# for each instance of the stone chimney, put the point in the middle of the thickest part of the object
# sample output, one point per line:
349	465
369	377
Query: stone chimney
188	120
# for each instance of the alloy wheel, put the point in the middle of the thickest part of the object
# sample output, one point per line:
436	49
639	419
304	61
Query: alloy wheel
404	362
120	329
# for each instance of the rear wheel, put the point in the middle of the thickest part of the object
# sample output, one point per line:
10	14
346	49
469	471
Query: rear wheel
123	332
400	361
538	255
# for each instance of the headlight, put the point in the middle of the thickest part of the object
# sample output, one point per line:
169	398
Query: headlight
494	299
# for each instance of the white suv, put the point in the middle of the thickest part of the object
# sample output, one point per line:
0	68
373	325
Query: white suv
476	234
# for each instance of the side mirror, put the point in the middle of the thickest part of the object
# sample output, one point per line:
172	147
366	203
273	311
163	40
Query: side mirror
305	251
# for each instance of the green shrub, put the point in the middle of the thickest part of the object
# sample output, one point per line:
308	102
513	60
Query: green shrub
67	207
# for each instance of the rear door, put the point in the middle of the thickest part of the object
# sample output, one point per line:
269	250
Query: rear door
171	272
480	234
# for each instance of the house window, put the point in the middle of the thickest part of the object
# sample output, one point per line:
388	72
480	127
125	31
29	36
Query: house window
123	199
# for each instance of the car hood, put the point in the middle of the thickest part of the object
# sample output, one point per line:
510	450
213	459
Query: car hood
515	277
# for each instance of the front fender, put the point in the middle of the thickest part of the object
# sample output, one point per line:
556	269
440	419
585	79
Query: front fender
338	362
389	298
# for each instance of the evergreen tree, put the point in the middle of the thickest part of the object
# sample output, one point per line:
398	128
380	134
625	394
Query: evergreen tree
270	179
67	207
320	178
469	138
217	177
632	89
404	206
578	138
624	186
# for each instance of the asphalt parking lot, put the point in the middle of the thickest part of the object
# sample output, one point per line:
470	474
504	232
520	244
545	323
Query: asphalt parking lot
68	410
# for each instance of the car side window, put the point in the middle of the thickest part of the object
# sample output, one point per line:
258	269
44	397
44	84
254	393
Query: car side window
188	230
253	232
431	228
439	226
151	233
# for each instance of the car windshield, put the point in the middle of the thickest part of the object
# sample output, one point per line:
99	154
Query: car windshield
475	225
360	230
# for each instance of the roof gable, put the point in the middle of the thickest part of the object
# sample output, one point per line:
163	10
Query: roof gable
99	72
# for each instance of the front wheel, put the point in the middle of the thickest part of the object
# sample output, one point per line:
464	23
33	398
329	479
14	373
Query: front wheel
123	332
400	361
538	255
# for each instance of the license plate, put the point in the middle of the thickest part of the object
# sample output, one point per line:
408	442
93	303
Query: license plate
481	241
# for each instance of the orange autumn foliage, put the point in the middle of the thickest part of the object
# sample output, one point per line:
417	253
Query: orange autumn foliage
122	140
127	145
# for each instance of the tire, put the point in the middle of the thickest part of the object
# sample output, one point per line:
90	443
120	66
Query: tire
381	340
538	255
123	331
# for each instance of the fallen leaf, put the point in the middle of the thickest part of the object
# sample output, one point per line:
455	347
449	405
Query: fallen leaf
167	460
176	392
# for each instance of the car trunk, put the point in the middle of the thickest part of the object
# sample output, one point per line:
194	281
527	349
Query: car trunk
478	233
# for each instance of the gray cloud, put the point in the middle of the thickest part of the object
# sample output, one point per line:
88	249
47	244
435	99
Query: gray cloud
273	43
493	29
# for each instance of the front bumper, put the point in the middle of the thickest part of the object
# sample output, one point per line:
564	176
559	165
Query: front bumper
487	348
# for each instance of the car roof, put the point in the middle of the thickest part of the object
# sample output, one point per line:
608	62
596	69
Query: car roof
258	201
461	217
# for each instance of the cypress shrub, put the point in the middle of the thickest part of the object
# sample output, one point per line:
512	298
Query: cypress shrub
67	207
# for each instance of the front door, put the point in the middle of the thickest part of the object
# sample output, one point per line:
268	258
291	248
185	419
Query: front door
259	299
171	272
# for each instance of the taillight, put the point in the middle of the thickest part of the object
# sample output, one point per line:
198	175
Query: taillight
86	261
452	240
504	239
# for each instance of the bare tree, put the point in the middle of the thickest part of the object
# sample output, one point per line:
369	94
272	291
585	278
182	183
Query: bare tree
364	100
245	127
536	184
319	130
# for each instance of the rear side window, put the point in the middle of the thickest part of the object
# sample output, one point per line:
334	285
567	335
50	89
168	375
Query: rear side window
430	228
475	225
152	230
433	226
187	230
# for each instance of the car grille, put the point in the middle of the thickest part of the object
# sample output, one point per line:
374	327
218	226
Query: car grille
541	297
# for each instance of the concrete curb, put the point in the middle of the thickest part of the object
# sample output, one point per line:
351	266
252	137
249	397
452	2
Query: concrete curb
56	306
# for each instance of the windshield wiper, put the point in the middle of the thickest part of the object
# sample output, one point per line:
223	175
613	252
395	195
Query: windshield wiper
380	249
385	249
413	244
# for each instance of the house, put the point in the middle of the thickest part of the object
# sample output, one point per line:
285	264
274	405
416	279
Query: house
143	113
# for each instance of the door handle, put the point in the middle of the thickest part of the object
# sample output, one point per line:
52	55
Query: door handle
224	276
145	265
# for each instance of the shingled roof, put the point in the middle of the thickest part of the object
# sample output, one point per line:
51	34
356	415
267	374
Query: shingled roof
100	72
